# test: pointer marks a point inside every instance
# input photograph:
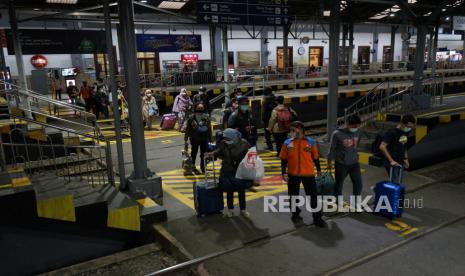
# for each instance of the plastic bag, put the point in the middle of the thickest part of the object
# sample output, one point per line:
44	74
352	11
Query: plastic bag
251	167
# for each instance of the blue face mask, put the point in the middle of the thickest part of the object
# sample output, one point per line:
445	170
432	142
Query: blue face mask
353	129
244	107
406	129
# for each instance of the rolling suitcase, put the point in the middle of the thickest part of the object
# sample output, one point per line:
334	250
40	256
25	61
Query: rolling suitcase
394	193
208	198
168	121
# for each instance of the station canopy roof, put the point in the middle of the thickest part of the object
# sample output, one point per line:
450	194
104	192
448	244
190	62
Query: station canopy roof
185	11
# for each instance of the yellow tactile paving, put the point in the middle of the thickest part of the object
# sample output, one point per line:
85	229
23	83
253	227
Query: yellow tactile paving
180	186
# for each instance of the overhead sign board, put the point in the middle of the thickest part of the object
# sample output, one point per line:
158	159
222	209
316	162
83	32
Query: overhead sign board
35	41
168	43
459	23
244	12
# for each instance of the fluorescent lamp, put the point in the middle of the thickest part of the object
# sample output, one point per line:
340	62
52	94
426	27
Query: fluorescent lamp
143	1
172	5
67	2
326	13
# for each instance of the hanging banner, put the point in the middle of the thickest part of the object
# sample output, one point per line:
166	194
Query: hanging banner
58	42
168	43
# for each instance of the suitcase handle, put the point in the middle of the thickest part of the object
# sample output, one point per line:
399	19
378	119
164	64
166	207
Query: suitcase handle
205	162
391	170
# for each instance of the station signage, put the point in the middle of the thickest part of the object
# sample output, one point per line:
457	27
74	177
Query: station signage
168	43
58	41
190	58
39	61
244	12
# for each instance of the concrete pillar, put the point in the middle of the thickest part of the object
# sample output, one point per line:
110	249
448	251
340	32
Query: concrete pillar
419	60
17	46
264	47
212	32
344	62
333	71
405	45
435	49
114	94
351	54
374	58
286	64
121	48
393	44
218	49
225	65
430	49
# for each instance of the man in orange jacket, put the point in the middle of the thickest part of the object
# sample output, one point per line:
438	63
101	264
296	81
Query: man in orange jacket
299	157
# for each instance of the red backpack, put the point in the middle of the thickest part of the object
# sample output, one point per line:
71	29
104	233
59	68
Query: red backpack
284	118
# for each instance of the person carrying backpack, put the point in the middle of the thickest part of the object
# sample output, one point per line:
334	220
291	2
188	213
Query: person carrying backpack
394	146
280	122
268	104
198	132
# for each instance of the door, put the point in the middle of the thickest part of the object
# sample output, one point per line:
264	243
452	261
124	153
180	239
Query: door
149	63
102	64
280	59
363	59
387	61
315	57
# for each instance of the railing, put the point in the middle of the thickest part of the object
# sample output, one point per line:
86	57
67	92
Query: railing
39	154
28	104
379	100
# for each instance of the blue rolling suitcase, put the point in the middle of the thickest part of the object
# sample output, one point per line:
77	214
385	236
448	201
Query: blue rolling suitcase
208	198
395	194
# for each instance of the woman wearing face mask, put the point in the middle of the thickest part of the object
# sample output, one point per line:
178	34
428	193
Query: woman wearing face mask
149	108
198	132
181	106
344	153
232	149
202	98
299	157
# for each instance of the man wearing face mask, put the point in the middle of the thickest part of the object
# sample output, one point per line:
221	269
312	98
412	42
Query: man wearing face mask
242	120
198	131
343	150
202	98
299	157
394	147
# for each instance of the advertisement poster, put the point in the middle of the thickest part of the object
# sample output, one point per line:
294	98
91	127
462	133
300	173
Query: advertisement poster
58	42
249	59
168	43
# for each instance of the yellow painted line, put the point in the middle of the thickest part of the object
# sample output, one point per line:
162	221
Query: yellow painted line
216	91
322	83
462	115
287	100
303	99
320	97
280	87
442	111
302	85
363	93
364	157
6	186
350	94
381	116
21	181
147	202
408	232
401	223
420	133
341	82
311	84
169	100
244	89
392	227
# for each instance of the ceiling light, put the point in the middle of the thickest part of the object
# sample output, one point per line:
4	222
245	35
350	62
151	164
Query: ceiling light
172	5
326	13
67	2
444	10
36	9
447	18
143	1
392	15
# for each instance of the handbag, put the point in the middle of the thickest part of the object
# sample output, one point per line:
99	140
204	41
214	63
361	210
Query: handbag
325	184
251	167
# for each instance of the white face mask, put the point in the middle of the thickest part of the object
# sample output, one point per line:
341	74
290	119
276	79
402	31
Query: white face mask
353	129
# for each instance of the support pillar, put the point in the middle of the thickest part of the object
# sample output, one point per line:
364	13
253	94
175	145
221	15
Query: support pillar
351	54
405	44
114	94
141	180
374	58
264	48
419	60
393	44
212	32
333	72
430	49
286	48
226	65
344	62
17	46
435	49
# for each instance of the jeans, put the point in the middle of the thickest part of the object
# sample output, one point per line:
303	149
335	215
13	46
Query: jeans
230	199
195	145
355	176
279	139
293	187
396	176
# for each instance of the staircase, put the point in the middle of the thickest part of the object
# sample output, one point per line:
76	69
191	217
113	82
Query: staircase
65	163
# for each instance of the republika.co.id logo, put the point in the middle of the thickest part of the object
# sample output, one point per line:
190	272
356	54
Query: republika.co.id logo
286	204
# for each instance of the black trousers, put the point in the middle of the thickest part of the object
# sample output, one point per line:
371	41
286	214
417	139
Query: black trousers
355	176
293	187
279	139
195	145
101	109
268	140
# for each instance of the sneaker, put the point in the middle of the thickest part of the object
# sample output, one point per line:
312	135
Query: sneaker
320	223
244	213
228	214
